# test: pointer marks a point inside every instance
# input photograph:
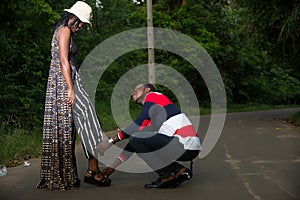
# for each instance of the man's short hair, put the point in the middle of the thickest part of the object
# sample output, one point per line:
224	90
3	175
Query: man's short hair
150	86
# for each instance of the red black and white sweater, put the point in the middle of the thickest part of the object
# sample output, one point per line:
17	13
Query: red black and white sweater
160	115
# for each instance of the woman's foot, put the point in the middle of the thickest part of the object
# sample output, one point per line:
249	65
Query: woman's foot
107	172
96	178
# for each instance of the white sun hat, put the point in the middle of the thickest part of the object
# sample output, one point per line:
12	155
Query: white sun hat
81	10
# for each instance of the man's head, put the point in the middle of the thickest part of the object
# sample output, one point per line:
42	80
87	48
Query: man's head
141	91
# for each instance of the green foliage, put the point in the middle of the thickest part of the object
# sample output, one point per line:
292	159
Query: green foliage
254	44
24	59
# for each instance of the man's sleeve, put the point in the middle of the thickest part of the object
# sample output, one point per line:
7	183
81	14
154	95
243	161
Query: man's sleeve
142	121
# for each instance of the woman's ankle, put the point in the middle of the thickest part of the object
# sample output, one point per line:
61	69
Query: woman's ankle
93	164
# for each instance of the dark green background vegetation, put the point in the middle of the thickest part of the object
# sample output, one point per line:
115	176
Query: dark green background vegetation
254	43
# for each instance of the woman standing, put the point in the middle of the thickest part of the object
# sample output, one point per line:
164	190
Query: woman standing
58	162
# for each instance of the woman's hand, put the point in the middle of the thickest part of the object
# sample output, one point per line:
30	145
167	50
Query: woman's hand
71	97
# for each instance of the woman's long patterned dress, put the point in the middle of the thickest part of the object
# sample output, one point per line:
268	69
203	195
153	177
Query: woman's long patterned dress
58	162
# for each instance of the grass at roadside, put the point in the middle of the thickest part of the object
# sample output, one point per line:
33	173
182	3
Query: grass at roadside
17	144
253	107
296	119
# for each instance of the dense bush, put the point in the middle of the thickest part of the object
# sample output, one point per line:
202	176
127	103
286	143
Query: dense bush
25	51
253	43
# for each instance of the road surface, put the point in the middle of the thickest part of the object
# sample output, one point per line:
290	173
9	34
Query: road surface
257	157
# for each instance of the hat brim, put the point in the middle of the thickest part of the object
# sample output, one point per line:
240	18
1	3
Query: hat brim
79	17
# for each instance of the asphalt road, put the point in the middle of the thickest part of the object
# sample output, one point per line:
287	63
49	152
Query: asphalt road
257	157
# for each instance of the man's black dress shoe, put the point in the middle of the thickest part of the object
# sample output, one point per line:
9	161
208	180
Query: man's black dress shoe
184	176
158	184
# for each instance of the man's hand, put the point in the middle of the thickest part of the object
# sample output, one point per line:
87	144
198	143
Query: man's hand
103	146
